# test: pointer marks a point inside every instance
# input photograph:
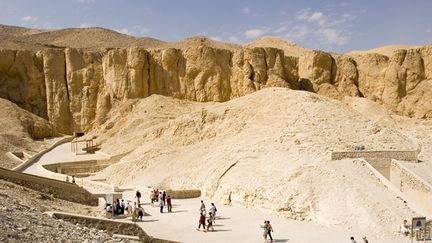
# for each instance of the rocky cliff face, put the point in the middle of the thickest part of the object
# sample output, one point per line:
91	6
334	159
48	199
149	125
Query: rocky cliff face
75	88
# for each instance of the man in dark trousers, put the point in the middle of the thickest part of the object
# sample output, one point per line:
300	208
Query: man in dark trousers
138	196
269	230
164	196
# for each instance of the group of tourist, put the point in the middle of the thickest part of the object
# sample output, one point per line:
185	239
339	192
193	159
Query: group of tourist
162	198
267	227
136	211
210	219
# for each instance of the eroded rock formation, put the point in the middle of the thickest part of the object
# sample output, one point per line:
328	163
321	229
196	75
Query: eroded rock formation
76	88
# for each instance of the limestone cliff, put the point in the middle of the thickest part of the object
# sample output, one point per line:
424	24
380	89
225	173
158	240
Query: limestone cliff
75	88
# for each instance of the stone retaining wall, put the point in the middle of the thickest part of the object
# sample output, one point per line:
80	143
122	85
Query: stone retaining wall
79	167
59	189
398	155
411	185
112	226
183	194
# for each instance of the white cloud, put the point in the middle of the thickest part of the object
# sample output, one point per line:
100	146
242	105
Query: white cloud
317	17
280	30
303	14
29	18
86	25
234	39
298	33
145	30
345	4
329	29
141	29
246	10
311	17
255	33
332	36
86	1
125	31
216	38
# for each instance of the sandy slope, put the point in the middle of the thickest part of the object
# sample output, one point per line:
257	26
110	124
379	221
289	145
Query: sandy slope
21	130
290	48
269	149
13	37
384	50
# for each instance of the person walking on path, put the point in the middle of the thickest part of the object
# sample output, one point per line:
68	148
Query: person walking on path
153	197
134	212
210	222
164	197
352	239
122	206
73	179
161	203
201	222
202	208
213	211
265	228
138	196
140	212
270	229
365	240
168	200
128	209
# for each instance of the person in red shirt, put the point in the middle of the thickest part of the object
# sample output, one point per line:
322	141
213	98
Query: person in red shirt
201	221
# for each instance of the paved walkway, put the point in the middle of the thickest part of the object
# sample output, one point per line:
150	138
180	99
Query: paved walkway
62	153
235	224
232	224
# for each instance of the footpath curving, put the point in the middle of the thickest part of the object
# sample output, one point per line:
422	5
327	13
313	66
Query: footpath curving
37	156
59	189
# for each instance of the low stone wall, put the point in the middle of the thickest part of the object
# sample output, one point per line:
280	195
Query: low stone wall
410	156
35	157
411	185
77	168
183	194
112	226
59	189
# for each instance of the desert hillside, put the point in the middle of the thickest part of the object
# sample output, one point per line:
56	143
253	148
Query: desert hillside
270	150
21	131
250	125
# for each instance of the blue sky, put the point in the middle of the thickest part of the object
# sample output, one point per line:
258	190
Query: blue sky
337	26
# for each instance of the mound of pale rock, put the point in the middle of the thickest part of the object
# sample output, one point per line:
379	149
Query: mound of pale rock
21	131
270	150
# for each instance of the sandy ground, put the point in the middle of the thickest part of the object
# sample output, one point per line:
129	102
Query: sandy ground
235	224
